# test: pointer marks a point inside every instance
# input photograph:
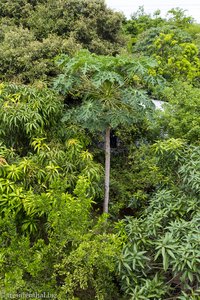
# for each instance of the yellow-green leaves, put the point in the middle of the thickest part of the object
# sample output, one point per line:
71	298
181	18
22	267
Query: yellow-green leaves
25	113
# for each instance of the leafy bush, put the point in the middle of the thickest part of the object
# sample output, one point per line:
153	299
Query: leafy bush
34	32
161	256
180	117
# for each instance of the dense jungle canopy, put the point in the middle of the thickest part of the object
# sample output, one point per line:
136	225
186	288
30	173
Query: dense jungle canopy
99	189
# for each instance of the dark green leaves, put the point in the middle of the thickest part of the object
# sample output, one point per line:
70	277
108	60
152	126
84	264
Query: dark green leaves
107	87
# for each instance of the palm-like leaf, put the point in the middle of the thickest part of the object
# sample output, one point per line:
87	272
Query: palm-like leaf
109	95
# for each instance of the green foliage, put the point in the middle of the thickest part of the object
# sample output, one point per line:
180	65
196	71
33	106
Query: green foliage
90	266
26	113
49	220
135	176
169	153
180	117
52	238
164	242
177	17
67	258
27	59
141	21
173	49
173	42
34	32
190	171
176	59
110	96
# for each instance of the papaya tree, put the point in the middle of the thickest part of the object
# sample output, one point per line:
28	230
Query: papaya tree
113	93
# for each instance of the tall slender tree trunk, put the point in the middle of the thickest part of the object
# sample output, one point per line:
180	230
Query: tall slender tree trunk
107	170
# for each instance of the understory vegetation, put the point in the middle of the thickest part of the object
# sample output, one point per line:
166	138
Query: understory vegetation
99	188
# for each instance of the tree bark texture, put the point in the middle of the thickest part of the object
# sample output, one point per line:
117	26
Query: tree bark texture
107	170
